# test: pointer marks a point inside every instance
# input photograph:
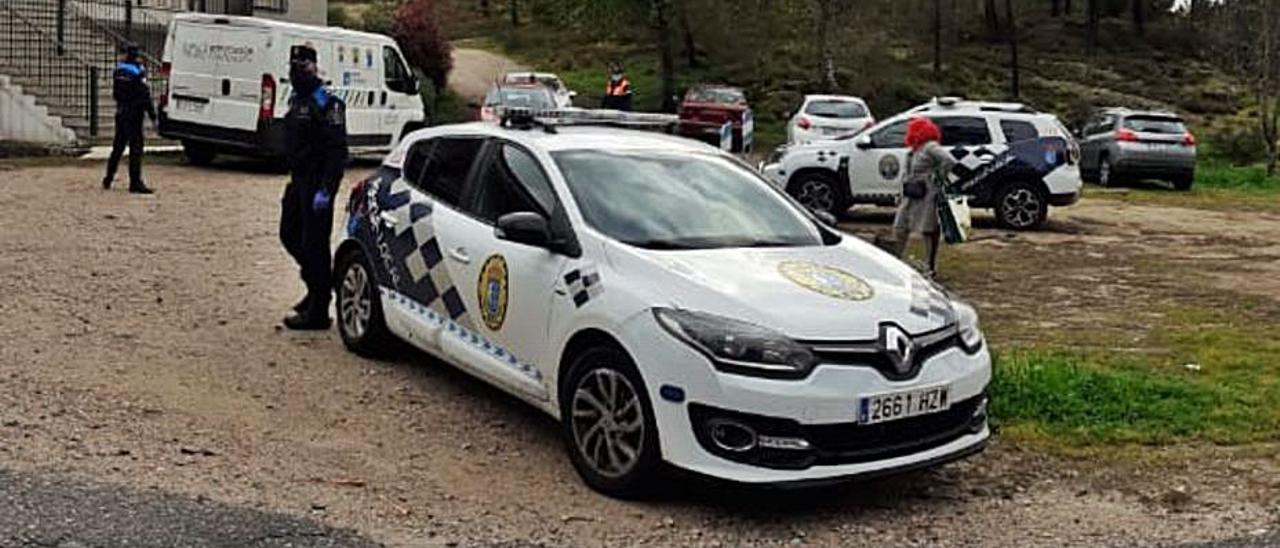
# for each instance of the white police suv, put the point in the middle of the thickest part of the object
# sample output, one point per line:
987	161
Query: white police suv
1009	158
661	300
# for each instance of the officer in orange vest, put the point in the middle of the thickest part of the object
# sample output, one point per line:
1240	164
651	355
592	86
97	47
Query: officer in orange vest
617	92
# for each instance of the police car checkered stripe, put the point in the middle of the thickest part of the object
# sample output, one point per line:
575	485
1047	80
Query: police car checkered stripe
928	301
415	255
434	317
583	284
969	159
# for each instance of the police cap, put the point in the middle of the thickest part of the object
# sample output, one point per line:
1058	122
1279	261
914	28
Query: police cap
302	53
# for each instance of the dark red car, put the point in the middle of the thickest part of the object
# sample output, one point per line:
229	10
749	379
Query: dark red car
706	108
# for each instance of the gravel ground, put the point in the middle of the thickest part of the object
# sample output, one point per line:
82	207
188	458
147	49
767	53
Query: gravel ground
140	348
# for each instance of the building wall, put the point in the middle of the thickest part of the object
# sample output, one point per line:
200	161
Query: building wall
309	12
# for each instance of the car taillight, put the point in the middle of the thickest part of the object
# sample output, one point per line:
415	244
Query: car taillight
165	69
1127	135
1189	139
267	103
804	122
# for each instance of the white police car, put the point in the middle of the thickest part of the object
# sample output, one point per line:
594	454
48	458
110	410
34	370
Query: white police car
664	302
1009	158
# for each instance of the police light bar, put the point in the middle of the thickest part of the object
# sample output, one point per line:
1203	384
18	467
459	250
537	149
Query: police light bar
525	118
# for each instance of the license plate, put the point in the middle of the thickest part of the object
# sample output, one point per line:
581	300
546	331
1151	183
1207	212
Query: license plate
190	106
900	405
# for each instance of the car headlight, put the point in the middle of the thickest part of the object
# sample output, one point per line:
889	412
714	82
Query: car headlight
736	346
967	325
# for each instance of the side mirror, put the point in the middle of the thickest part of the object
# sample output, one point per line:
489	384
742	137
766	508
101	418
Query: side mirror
827	218
524	227
862	142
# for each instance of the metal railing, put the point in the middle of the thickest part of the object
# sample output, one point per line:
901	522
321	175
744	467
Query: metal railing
36	58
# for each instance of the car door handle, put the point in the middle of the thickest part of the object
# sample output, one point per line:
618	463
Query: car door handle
459	254
387	219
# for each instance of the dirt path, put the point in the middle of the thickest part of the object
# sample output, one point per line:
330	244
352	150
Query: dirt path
139	345
474	70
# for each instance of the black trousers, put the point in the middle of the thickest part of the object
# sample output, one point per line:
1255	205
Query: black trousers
128	132
305	234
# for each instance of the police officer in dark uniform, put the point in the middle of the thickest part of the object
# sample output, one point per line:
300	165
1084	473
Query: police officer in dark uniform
316	146
133	100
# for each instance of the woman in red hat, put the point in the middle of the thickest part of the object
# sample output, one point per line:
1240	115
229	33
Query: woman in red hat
918	207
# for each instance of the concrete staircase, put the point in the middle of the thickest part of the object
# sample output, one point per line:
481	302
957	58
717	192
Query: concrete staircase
60	78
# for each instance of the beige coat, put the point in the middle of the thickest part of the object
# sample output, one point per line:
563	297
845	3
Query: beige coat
921	214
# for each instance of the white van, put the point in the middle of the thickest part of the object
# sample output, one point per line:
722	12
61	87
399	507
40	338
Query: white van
228	85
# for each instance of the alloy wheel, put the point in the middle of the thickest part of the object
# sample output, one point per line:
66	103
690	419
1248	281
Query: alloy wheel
816	195
355	304
1021	207
608	422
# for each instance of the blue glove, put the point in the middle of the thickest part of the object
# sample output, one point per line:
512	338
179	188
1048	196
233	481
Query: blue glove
322	200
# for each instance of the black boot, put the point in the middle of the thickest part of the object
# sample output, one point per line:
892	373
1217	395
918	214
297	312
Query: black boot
314	318
140	188
106	183
303	304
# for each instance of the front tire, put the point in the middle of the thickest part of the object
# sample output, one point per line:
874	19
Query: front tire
360	321
818	192
198	154
1021	206
1182	183
608	423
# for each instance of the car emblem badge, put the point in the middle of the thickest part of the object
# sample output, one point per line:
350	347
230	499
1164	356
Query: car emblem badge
829	281
897	344
491	292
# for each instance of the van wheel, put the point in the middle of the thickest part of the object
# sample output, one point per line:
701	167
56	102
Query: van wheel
818	192
1021	206
198	154
609	429
360	321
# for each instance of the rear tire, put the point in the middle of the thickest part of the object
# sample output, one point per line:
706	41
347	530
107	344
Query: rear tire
1021	206
608	425
198	154
360	321
818	192
1183	183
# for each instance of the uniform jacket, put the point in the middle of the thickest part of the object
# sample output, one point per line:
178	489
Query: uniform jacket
130	90
316	139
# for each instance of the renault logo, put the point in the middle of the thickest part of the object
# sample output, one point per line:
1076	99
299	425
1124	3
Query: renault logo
897	344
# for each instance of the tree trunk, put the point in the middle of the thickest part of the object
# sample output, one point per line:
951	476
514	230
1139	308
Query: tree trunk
690	46
937	39
484	8
515	13
1092	9
992	17
828	69
1055	8
1066	8
1140	17
1269	117
666	54
1011	29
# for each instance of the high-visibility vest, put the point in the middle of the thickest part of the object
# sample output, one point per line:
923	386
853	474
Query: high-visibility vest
619	88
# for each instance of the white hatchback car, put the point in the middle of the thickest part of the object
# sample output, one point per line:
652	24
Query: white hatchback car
562	94
663	302
822	117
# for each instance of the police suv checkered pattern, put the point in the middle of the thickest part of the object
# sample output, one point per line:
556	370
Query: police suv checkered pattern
583	284
930	302
412	252
969	159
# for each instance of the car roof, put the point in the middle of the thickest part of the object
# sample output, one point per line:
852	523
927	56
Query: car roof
265	24
525	74
562	138
1123	111
821	97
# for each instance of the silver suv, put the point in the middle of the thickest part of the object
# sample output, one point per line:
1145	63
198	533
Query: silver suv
1120	144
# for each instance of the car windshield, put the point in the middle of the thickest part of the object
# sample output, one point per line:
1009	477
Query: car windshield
836	109
518	97
660	200
715	95
1155	124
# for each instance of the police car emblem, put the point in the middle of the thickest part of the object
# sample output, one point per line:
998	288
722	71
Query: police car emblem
491	292
829	281
889	167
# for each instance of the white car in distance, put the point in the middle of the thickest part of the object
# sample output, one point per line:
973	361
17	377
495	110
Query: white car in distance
823	117
562	94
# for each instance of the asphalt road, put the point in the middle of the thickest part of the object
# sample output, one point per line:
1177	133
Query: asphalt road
39	509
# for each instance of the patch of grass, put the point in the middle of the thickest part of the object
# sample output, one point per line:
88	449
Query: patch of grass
1218	186
1231	395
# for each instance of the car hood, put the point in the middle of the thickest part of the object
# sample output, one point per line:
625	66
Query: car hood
841	292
